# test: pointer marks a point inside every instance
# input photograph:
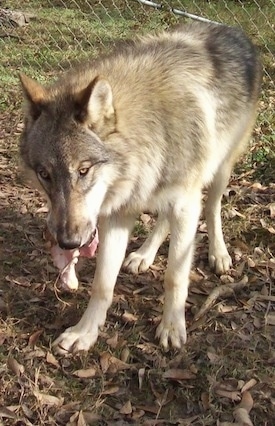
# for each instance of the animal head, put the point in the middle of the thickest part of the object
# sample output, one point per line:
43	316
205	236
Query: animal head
62	146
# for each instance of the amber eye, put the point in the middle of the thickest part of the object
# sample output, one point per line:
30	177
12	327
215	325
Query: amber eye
43	174
83	171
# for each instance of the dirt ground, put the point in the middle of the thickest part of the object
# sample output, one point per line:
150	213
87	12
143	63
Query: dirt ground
229	359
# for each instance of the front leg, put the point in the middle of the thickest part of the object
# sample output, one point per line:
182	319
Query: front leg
114	234
184	216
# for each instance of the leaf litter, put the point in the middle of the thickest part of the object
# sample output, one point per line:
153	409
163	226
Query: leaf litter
224	375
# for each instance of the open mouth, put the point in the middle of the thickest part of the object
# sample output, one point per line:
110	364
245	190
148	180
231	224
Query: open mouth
65	260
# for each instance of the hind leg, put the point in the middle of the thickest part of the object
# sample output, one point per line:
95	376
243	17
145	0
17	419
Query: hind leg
142	259
219	258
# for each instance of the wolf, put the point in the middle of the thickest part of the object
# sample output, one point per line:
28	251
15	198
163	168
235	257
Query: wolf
146	127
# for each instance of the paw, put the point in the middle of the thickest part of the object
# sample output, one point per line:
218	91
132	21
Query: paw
73	340
173	331
220	263
136	262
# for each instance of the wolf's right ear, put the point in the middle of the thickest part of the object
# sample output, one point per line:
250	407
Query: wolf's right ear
35	95
95	102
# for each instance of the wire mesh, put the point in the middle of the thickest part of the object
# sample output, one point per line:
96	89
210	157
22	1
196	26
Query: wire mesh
42	37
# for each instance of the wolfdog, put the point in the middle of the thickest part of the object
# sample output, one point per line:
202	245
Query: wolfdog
144	128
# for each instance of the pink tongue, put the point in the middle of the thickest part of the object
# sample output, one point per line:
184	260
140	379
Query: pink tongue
89	250
65	260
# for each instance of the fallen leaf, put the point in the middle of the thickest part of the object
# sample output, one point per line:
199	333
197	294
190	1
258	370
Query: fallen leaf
85	373
233	395
272	210
124	354
111	390
81	420
105	361
178	374
14	366
137	414
270	318
126	408
37	353
21	281
50	359
6	413
27	411
205	400
46	399
128	317
34	337
112	341
112	364
3	337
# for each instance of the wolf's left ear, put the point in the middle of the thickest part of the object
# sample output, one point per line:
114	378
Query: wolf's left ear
35	95
95	102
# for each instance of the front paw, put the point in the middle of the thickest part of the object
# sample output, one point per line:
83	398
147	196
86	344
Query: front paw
173	330
136	262
74	340
220	263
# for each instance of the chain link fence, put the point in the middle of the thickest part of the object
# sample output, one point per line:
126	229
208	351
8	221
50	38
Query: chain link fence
42	37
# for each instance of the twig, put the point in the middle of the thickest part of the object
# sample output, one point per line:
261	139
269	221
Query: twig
225	290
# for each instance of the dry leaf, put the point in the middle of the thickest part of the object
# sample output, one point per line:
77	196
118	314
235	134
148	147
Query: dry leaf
50	358
3	337
272	210
137	414
27	411
14	366
233	395
105	361
270	318
111	390
128	317
126	408
46	399
34	337
6	413
85	373
81	420
124	354
77	419
205	400
112	341
112	364
36	353
178	374
21	281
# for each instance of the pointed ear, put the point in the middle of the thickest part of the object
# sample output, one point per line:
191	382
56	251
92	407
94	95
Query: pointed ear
34	93
95	102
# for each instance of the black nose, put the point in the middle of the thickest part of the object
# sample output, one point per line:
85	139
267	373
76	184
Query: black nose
68	244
